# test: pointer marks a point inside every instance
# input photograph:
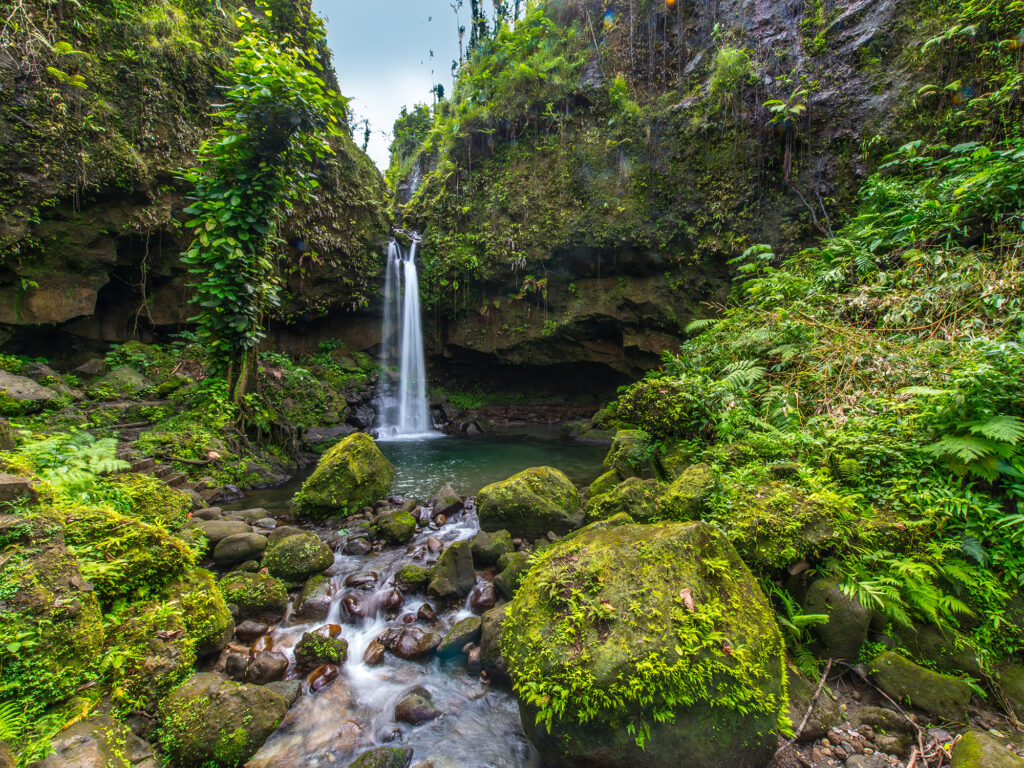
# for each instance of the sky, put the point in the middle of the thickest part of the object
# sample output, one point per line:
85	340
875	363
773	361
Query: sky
382	56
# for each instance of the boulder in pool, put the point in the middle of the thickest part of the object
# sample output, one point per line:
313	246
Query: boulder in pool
416	707
633	645
530	504
351	475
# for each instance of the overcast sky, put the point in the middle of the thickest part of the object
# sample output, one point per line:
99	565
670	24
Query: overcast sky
382	55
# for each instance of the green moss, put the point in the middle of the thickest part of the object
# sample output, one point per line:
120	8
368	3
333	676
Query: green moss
686	497
396	527
412	578
944	696
530	504
635	497
315	649
254	593
350	475
146	498
204	610
296	558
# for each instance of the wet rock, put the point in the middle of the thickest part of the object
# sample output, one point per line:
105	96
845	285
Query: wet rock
685	498
234	661
513	566
239	547
384	757
315	650
321	677
298	557
256	595
474	660
208	513
489	547
350	475
355	606
412	578
445	501
490	644
266	667
208	716
826	713
314	601
98	741
290	690
453	575
357	545
940	695
530	504
426	613
483	597
434	545
362	580
847	627
390	601
466	631
396	527
265	643
374	653
416	707
217	530
977	749
410	642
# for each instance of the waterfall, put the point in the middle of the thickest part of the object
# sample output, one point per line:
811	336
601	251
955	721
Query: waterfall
403	401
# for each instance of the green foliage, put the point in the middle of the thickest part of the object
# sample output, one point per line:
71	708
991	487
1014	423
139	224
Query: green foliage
731	71
678	407
72	461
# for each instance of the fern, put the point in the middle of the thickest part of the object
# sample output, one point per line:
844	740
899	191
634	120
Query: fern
743	374
13	721
695	326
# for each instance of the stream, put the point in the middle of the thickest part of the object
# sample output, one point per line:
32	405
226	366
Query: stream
479	725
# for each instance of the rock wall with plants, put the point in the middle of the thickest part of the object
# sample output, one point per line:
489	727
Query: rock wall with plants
102	107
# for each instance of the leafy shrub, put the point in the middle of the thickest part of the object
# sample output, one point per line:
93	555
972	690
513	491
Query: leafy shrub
684	407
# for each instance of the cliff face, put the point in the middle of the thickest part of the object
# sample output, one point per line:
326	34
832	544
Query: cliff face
596	168
101	106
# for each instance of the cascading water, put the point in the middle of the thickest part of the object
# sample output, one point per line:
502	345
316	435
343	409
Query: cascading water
403	400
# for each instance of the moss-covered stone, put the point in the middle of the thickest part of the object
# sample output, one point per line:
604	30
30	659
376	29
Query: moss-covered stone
98	741
211	722
384	757
314	601
255	594
315	649
635	497
296	558
396	527
606	654
847	627
489	547
630	455
1011	685
978	749
207	618
512	568
604	483
350	475
530	504
940	695
453	575
123	380
685	498
462	632
412	578
676	460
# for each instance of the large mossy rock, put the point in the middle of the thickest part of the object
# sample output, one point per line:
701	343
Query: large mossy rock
977	749
256	595
847	627
651	633
212	722
397	527
637	498
940	695
204	610
629	455
685	498
530	504
20	395
453	575
350	475
297	558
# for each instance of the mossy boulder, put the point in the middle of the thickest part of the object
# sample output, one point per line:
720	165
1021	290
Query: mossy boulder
349	476
254	594
314	601
824	716
212	722
123	380
384	757
396	527
20	395
685	498
512	568
676	460
297	558
978	749
462	632
315	649
207	618
603	484
489	547
937	694
630	455
453	575
949	653
530	504
847	627
98	741
238	548
411	578
491	656
631	645
637	498
1011	684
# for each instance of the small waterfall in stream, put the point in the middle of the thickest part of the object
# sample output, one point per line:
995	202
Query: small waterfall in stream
403	401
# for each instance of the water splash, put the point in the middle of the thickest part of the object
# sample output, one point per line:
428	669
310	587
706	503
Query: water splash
403	409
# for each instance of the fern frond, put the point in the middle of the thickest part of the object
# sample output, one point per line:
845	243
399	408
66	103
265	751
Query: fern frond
699	324
1008	429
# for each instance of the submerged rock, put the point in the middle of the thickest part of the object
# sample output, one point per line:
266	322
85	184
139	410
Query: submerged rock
298	557
350	475
416	707
384	757
695	668
530	504
940	695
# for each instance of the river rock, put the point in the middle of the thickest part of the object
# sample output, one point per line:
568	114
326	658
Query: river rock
513	566
282	532
321	677
713	685
315	649
530	504
410	642
257	595
239	547
483	597
686	497
20	395
490	644
362	580
350	475
637	498
98	741
217	530
489	547
824	716
314	601
208	717
291	690
384	757
248	631
434	545
847	627
465	631
374	653
416	707
445	501
266	667
940	695
453	575
357	545
977	749
298	557
396	527
411	578
426	613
